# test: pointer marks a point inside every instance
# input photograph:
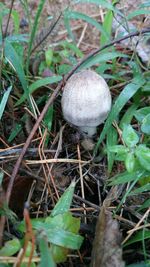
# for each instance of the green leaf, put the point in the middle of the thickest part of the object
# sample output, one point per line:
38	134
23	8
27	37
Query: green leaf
64	203
49	57
141	189
59	253
14	60
123	98
137	13
64	238
76	15
102	57
34	30
111	141
120	149
145	205
141	113
10	248
128	115
145	127
126	177
107	25
1	177
4	101
130	162
143	154
16	20
37	84
46	255
48	118
138	237
129	135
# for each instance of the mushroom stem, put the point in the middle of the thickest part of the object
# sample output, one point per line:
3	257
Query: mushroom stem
89	131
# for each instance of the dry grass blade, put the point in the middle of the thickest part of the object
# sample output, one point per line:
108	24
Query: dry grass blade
74	161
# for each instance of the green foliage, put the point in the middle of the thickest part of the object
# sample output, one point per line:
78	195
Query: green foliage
59	231
10	248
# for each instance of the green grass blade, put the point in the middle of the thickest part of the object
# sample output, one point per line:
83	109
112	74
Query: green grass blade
14	60
137	13
138	237
127	117
103	57
46	257
141	189
34	30
37	84
126	177
111	140
4	101
128	92
76	15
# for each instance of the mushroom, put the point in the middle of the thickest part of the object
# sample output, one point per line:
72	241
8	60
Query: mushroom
86	101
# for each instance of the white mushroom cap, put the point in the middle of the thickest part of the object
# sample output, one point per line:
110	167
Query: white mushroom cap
86	100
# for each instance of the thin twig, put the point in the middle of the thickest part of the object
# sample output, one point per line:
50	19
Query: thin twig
47	34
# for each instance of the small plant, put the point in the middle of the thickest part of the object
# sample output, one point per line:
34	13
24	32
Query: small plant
135	156
55	235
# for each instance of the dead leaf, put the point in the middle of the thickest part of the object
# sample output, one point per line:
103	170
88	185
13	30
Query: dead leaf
107	251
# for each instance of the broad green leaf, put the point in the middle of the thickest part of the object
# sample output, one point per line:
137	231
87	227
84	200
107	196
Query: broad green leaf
10	248
63	221
111	141
141	189
138	237
59	253
122	99
45	253
37	84
64	238
129	136
102	57
14	60
4	101
120	149
126	177
143	154
64	203
130	162
141	113
137	13
145	127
